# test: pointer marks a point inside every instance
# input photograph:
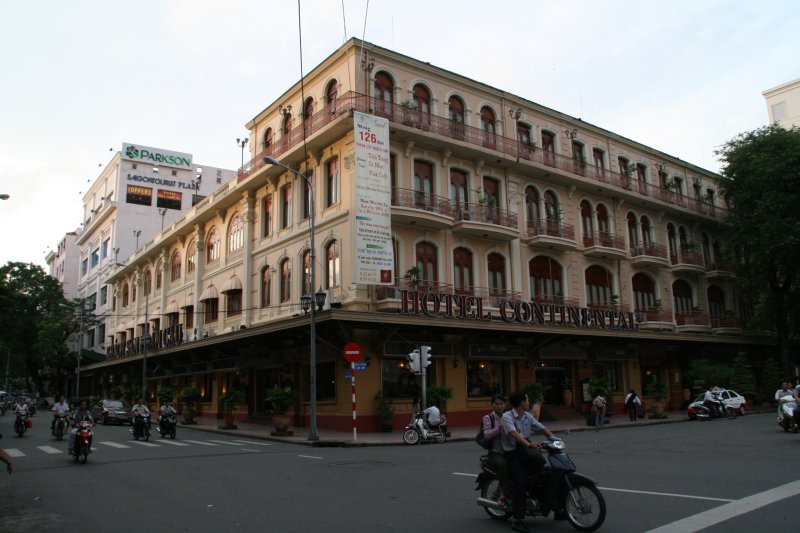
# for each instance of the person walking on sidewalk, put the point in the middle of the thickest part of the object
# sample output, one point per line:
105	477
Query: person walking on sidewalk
632	405
599	404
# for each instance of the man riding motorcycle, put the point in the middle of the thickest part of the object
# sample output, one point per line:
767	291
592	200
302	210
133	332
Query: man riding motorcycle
80	414
712	401
165	412
140	414
60	408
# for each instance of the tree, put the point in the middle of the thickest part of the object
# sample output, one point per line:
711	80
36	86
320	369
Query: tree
35	323
761	183
742	379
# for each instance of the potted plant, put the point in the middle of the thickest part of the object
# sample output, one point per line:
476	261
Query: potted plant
190	396
165	394
438	395
408	113
281	401
230	404
414	277
658	390
566	391
535	392
385	412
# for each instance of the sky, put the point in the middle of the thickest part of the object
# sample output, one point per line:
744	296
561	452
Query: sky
80	78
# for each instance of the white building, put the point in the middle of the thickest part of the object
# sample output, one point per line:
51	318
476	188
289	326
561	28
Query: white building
141	191
783	104
63	264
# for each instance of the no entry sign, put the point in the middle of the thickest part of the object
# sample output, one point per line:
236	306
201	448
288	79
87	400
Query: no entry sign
352	352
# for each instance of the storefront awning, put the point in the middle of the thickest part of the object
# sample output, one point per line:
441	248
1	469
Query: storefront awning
171	308
209	294
232	285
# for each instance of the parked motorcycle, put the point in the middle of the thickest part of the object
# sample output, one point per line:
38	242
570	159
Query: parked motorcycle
22	424
141	427
83	441
720	410
557	487
60	427
419	430
167	425
787	414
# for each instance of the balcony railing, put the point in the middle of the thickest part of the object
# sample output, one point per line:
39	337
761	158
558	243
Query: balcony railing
653	315
605	239
413	118
688	258
721	265
485	213
556	300
551	228
726	322
492	297
422	200
692	319
392	292
650	249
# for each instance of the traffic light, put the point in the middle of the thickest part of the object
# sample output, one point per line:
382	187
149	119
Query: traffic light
413	361
425	356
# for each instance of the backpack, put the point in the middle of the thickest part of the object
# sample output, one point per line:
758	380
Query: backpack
482	441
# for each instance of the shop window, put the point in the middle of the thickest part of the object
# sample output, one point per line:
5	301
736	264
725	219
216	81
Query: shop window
485	378
398	382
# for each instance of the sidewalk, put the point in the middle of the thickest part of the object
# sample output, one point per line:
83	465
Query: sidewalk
331	438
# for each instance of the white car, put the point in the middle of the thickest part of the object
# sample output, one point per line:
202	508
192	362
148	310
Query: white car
729	398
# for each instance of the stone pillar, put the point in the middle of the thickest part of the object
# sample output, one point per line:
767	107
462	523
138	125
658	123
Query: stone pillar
248	202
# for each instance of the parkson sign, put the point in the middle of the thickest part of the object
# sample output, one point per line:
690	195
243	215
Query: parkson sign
156	156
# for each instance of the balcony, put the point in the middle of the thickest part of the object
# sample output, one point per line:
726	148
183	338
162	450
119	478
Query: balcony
687	261
655	319
648	254
406	119
693	322
551	234
720	269
604	244
726	325
421	209
487	221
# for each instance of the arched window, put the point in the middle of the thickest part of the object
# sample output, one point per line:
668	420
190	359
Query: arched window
603	224
496	264
148	282
333	266
683	239
286	281
331	92
549	148
191	257
545	278
644	292
159	274
587	223
551	208
267	138
458	189
422	102
125	295
308	112
532	206
633	230
673	244
426	263
176	267
488	126
599	289
236	234
455	107
384	94
287	124
213	246
706	249
716	301
462	270
265	287
682	297
306	288
647	230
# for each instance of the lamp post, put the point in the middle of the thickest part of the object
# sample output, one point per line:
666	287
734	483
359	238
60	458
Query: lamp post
305	300
146	331
241	143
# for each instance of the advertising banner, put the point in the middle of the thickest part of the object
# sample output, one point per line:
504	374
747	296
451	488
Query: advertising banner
156	156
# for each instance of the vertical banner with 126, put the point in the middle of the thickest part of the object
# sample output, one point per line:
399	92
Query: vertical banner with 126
374	257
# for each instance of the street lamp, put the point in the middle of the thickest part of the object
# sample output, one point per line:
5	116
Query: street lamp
305	301
146	332
241	143
196	185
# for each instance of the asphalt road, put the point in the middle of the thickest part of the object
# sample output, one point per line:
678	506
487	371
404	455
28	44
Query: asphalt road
652	477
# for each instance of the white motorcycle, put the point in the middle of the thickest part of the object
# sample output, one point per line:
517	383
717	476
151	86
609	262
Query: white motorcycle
418	431
787	413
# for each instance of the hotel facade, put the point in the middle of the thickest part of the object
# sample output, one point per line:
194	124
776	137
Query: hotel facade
522	245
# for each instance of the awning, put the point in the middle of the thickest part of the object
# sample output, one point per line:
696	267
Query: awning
171	309
209	294
232	285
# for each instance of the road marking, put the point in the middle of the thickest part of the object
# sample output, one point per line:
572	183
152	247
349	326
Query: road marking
172	442
229	443
113	444
50	449
254	443
148	444
13	452
689	496
249	450
464	474
201	443
310	456
731	510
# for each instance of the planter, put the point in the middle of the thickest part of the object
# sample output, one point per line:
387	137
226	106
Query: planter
189	414
657	408
567	397
230	422
281	423
536	410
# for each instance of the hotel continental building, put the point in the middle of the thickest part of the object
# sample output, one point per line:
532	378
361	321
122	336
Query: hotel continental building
522	245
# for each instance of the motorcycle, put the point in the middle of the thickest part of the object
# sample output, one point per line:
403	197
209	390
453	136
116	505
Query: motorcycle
83	441
166	425
418	430
22	424
787	414
141	427
719	410
556	487
60	427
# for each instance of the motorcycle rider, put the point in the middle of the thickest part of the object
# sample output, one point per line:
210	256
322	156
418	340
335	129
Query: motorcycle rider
60	408
22	410
713	402
140	409
434	418
492	431
165	411
785	390
80	414
517	425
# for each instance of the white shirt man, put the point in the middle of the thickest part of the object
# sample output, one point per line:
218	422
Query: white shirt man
785	390
433	415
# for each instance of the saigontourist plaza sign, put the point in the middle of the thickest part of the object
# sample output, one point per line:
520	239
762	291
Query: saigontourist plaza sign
156	156
430	303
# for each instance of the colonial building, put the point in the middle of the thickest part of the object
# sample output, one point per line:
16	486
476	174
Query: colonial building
523	245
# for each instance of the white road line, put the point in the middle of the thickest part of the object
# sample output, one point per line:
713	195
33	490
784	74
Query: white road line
148	444
649	493
201	443
113	444
249	450
731	510
310	456
464	474
172	442
229	443
50	449
254	443
13	452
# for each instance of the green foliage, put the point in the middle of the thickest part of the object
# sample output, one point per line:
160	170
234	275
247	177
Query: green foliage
600	384
231	400
281	399
657	389
761	183
437	395
385	408
742	379
703	371
166	394
535	391
190	396
773	377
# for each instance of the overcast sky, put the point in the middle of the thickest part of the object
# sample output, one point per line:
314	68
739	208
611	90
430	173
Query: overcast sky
80	78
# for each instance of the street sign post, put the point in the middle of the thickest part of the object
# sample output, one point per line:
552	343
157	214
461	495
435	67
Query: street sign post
352	354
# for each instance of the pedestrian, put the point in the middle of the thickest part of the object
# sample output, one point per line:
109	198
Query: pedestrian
632	405
599	404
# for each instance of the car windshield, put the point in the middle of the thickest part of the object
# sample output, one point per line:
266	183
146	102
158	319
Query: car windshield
115	404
